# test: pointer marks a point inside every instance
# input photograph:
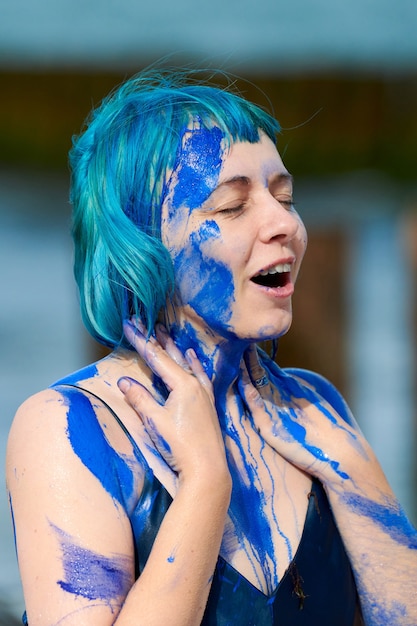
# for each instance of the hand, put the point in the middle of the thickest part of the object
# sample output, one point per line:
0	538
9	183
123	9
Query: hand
185	429
299	424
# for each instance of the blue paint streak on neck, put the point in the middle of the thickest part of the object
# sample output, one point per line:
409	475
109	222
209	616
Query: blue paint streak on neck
91	446
185	337
92	575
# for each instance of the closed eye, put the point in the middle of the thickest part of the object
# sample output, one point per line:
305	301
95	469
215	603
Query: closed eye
232	210
288	204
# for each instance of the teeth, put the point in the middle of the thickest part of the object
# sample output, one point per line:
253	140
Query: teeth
277	269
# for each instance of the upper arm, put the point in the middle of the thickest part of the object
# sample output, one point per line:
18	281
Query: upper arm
73	536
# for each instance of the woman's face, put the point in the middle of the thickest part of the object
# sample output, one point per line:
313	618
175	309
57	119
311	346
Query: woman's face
234	237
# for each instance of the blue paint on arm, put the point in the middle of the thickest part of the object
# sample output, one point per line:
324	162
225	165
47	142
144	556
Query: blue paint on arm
92	575
389	517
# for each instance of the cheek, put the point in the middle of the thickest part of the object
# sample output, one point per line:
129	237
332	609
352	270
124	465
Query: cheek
202	279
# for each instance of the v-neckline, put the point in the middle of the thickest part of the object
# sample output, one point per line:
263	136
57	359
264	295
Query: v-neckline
272	594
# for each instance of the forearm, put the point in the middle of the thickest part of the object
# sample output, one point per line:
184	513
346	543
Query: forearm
381	543
175	583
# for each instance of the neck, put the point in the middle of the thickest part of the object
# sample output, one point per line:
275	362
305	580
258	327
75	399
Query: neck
220	356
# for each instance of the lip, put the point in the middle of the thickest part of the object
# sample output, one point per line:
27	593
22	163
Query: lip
276	292
279	292
265	268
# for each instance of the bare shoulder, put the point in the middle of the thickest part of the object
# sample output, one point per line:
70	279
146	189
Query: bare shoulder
41	416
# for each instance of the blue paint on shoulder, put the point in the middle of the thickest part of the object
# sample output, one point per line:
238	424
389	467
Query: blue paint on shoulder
91	446
83	374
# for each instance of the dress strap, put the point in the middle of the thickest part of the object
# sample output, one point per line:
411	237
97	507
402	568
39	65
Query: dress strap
111	411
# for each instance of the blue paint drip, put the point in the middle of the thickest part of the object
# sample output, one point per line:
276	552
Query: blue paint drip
389	517
198	166
92	448
92	575
247	510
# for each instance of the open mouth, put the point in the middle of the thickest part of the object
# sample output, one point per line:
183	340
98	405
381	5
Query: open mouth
276	276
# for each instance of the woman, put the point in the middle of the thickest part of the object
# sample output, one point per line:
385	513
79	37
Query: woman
186	479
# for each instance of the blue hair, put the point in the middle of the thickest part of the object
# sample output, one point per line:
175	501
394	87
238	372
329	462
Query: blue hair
119	166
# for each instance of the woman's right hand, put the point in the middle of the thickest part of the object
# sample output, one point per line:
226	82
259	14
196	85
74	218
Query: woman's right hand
185	429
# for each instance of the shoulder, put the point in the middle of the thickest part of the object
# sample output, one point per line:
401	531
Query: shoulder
324	388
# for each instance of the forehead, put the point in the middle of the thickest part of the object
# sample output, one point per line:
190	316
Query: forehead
197	166
255	161
207	158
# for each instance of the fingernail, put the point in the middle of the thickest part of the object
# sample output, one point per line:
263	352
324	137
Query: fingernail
139	325
124	384
161	328
129	325
190	354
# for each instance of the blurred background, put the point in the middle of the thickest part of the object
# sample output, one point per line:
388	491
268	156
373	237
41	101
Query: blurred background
342	80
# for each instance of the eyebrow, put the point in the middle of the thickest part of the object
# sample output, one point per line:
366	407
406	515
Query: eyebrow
244	180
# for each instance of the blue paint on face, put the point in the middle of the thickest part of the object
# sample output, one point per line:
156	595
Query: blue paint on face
91	446
92	575
389	517
198	166
205	283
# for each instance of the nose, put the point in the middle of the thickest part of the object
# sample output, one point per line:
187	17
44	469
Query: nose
277	220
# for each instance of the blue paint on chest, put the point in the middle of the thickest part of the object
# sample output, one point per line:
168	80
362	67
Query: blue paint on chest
91	446
247	507
92	575
198	167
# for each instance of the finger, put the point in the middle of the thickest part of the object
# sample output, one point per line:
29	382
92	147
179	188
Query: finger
198	370
168	344
137	396
256	371
155	357
247	389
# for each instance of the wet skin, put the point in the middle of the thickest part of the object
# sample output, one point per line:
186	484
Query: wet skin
228	219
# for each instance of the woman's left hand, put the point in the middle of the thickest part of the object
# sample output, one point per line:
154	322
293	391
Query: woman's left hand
303	428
